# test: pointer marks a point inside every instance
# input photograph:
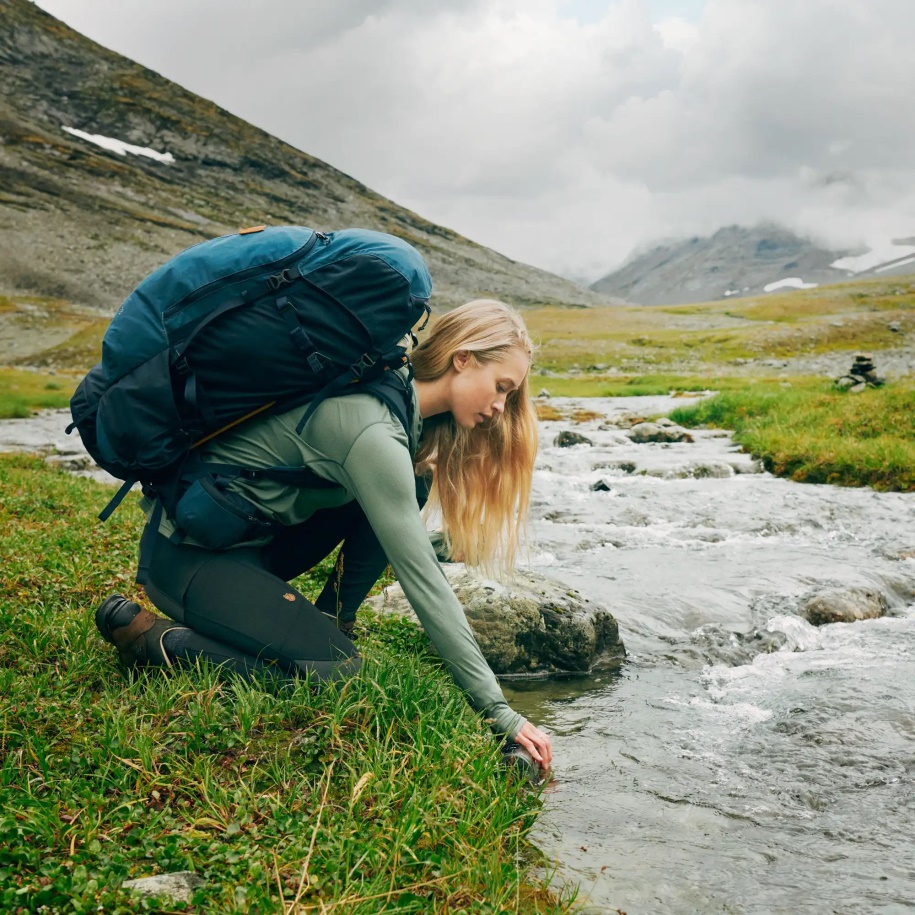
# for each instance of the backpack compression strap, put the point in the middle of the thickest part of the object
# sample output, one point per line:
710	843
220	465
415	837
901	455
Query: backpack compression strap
358	378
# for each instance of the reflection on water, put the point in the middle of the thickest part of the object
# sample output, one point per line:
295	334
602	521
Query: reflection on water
741	760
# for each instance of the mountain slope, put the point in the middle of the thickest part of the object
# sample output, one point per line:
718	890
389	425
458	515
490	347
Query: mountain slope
735	261
85	223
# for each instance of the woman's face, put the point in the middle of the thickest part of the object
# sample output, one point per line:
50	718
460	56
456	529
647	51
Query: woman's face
479	389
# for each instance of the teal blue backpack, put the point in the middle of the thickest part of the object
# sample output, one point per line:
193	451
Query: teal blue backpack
237	326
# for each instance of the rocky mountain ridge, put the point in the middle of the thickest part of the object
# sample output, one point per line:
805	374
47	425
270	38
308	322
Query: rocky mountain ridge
107	169
737	261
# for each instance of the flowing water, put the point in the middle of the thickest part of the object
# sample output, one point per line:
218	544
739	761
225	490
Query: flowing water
741	760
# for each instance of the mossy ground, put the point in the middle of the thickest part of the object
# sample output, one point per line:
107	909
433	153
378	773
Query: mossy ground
384	794
21	392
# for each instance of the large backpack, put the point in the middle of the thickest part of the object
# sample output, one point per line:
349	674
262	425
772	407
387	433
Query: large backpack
237	326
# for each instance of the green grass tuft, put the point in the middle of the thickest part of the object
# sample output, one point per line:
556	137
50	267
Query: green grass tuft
817	434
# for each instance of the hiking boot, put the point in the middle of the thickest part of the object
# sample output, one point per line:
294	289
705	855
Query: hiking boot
347	627
134	631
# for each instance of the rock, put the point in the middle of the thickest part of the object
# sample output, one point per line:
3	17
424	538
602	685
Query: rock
752	466
625	466
601	486
656	432
528	626
894	327
858	388
705	470
71	462
567	439
623	420
544	393
845	382
843	605
179	886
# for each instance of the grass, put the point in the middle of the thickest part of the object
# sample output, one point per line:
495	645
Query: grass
381	795
817	434
21	392
711	336
650	385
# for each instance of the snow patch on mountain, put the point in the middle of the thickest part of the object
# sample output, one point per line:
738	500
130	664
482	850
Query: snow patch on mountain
791	282
881	252
122	148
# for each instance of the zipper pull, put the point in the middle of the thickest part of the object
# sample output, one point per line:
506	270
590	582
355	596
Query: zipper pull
323	237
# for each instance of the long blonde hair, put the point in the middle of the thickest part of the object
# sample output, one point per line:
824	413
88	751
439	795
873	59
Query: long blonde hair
481	477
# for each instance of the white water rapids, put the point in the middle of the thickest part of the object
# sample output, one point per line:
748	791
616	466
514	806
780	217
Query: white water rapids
742	760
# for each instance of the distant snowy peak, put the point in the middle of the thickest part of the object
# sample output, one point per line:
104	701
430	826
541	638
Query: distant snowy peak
737	261
880	256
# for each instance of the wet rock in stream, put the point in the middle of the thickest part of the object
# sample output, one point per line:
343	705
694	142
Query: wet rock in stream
528	626
843	605
567	439
663	430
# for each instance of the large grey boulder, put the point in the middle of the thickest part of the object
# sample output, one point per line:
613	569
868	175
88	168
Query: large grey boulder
844	605
528	626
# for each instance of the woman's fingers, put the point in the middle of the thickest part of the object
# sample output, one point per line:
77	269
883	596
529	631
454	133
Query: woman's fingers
536	743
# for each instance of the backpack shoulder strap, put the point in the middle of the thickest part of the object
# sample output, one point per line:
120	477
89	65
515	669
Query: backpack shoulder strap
395	391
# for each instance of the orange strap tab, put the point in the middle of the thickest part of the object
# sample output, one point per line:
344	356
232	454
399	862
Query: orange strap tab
251	230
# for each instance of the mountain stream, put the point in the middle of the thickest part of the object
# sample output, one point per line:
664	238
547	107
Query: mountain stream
741	760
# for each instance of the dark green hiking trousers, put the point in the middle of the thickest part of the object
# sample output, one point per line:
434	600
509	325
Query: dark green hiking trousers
241	611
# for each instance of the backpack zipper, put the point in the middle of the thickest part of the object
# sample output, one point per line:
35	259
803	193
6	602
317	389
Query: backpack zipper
241	276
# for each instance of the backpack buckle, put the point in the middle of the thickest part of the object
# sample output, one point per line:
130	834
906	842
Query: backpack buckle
278	280
363	365
316	362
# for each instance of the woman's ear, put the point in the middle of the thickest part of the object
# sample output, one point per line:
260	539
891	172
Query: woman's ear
460	360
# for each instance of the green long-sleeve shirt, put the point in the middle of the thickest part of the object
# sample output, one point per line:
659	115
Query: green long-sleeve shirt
356	442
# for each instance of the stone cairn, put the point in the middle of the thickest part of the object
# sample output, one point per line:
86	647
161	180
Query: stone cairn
861	375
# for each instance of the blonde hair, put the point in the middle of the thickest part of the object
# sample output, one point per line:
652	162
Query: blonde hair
481	477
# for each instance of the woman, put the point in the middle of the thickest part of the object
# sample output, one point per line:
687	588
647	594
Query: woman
470	409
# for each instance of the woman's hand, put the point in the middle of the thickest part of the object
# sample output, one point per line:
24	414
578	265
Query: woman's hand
536	743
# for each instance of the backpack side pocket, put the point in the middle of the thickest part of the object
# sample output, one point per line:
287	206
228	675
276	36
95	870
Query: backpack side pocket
217	519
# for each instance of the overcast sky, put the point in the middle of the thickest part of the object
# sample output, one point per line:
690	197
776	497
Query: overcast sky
566	133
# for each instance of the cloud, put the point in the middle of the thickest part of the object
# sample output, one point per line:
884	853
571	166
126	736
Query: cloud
566	142
678	34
